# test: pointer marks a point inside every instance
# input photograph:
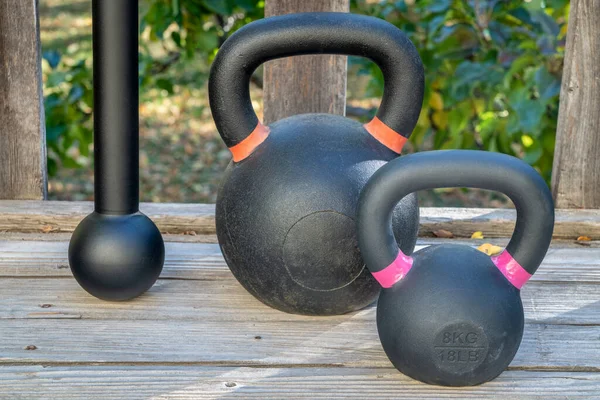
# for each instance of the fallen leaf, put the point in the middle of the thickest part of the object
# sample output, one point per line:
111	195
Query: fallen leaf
436	101
190	233
584	239
490	249
31	347
47	228
442	233
477	235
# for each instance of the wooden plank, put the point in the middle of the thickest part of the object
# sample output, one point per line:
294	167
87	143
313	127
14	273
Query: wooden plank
225	300
462	222
174	218
22	131
192	382
304	84
205	262
66	236
576	172
63	216
320	342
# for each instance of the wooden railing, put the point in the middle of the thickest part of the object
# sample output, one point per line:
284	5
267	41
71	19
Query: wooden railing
576	173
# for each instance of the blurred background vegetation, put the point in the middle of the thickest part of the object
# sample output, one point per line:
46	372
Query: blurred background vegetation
493	72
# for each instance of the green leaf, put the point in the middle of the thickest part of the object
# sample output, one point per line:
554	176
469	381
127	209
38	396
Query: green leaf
546	22
547	45
165	84
207	40
176	7
512	125
401	6
533	155
218	6
52	101
434	25
75	94
176	36
468	72
55	78
52	167
457	120
69	162
440	138
54	132
246	5
440	6
548	85
522	14
530	114
52	57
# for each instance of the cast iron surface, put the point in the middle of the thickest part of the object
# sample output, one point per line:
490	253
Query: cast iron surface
454	319
116	253
286	214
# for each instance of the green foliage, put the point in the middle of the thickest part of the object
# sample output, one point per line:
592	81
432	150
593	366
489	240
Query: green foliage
171	30
493	71
199	25
68	103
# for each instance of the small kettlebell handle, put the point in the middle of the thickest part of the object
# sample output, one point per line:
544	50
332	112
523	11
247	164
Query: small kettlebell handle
315	33
459	168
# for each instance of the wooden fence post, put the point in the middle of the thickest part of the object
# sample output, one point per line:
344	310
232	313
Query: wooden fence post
22	128
304	84
576	170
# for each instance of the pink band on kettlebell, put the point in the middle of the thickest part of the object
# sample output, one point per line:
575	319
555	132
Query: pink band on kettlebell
244	148
397	270
385	135
511	269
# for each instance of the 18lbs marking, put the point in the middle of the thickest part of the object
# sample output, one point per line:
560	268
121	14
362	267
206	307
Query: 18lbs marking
458	356
460	347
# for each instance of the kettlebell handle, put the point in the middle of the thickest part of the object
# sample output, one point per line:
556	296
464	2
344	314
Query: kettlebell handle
315	33
458	168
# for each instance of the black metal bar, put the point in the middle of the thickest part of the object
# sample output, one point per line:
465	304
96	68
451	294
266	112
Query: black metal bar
116	99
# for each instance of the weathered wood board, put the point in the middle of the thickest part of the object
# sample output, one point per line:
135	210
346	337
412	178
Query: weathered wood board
576	169
210	382
198	334
317	82
61	216
22	130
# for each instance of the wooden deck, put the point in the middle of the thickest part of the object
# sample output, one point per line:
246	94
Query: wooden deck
198	334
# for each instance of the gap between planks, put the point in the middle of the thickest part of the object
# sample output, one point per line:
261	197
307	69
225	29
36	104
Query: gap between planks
58	216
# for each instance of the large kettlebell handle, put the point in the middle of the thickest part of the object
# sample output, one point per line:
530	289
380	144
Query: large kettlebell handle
458	168
315	33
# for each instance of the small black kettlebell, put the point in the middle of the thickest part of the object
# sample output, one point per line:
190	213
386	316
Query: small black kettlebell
286	207
451	315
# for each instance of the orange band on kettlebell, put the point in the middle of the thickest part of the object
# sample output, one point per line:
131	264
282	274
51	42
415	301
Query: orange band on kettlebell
244	148
385	135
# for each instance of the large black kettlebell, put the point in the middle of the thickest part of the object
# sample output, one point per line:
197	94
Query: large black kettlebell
286	208
451	315
116	253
